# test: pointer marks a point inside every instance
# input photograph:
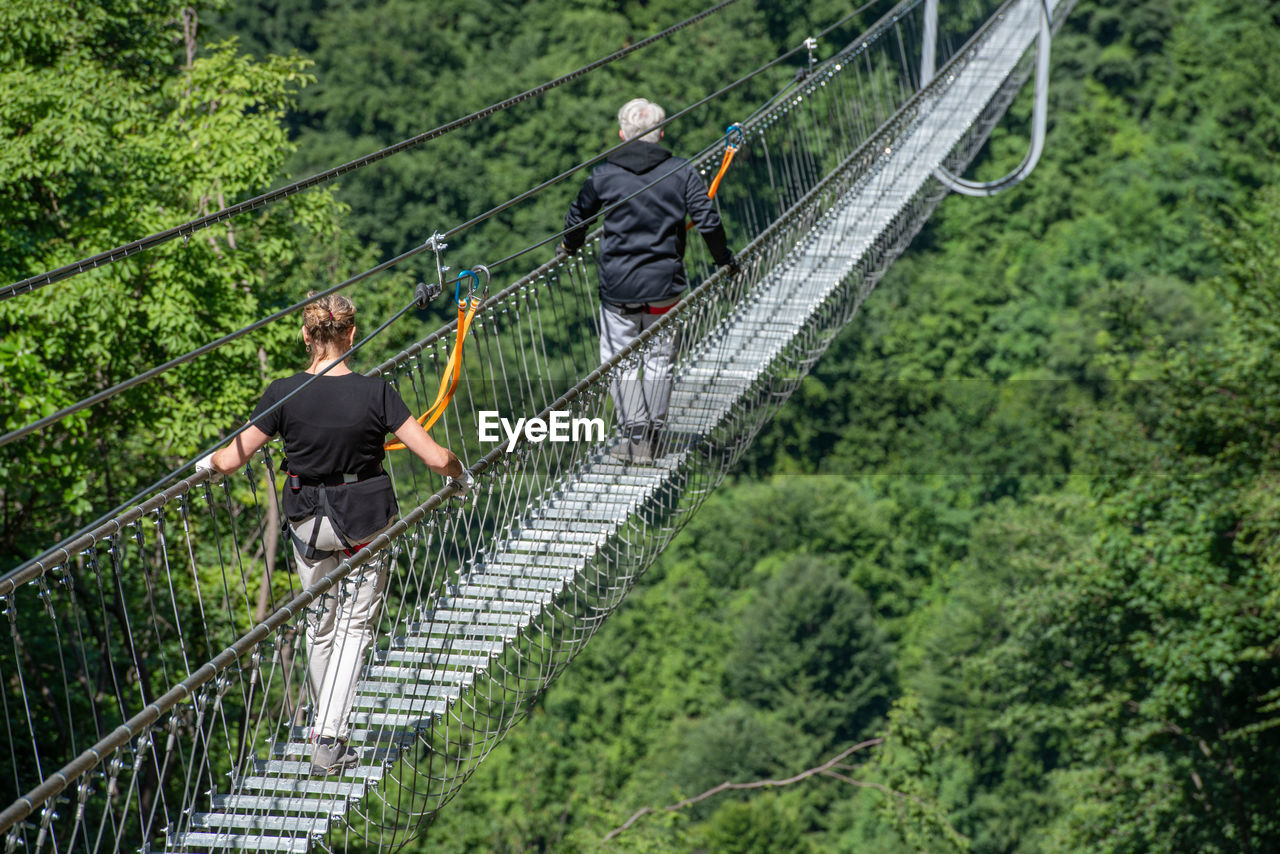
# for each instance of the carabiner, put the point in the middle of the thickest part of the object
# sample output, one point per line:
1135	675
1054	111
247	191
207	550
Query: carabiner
457	285
729	132
488	277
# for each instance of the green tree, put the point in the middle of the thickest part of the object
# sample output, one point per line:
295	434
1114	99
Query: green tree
114	125
810	651
759	826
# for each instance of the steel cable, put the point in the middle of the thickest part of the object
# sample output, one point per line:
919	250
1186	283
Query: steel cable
188	228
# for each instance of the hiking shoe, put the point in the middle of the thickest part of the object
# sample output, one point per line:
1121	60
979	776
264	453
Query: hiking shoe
663	442
620	450
641	450
632	451
633	447
333	757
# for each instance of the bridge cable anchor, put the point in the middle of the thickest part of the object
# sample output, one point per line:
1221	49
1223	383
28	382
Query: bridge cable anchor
1039	111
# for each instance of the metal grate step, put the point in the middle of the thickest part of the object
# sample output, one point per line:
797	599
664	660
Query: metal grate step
200	841
303	748
420	706
482	602
572	531
282	805
292	768
549	547
520	582
402	722
360	736
506	591
393	682
303	785
313	824
540	561
476	621
523	570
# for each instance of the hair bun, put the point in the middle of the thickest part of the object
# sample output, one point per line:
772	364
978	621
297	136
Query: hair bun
328	319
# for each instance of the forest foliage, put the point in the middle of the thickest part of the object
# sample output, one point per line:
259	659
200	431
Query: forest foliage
114	125
1019	523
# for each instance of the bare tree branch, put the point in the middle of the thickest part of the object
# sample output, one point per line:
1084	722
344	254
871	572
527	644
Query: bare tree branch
824	769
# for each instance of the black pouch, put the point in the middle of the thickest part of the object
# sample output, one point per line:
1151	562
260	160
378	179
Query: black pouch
361	509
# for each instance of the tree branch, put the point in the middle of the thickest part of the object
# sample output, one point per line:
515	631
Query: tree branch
824	768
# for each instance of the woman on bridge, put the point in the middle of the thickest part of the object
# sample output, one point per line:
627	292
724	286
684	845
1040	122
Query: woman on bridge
338	498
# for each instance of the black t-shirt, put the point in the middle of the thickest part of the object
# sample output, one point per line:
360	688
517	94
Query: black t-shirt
334	425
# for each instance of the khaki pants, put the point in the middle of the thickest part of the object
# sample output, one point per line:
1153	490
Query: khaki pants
642	391
340	626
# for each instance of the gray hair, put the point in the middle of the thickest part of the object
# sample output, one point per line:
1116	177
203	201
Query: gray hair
637	116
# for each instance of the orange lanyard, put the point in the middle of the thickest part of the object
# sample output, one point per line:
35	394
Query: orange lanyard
730	149
453	367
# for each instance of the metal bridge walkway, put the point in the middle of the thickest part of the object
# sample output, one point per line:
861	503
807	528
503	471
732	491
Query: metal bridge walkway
432	663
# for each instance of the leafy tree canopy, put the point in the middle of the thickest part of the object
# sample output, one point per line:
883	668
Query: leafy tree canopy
114	125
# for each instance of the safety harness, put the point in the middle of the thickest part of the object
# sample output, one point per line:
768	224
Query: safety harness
661	307
324	510
467	308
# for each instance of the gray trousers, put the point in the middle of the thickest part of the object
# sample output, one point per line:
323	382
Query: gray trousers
340	626
642	391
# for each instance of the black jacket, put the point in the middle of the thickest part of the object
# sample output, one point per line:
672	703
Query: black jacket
642	255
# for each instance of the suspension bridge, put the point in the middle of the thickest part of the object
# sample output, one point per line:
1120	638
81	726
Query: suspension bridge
183	727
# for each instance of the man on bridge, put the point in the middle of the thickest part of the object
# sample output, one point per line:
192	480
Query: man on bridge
642	272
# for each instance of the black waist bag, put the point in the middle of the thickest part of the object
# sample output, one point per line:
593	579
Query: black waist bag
356	510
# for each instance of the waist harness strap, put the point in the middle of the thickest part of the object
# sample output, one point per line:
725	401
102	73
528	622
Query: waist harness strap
628	308
308	547
297	481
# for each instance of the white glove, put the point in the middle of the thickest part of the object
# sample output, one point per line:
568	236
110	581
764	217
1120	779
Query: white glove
205	463
465	483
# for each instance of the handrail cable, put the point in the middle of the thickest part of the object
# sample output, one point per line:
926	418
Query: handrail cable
188	228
